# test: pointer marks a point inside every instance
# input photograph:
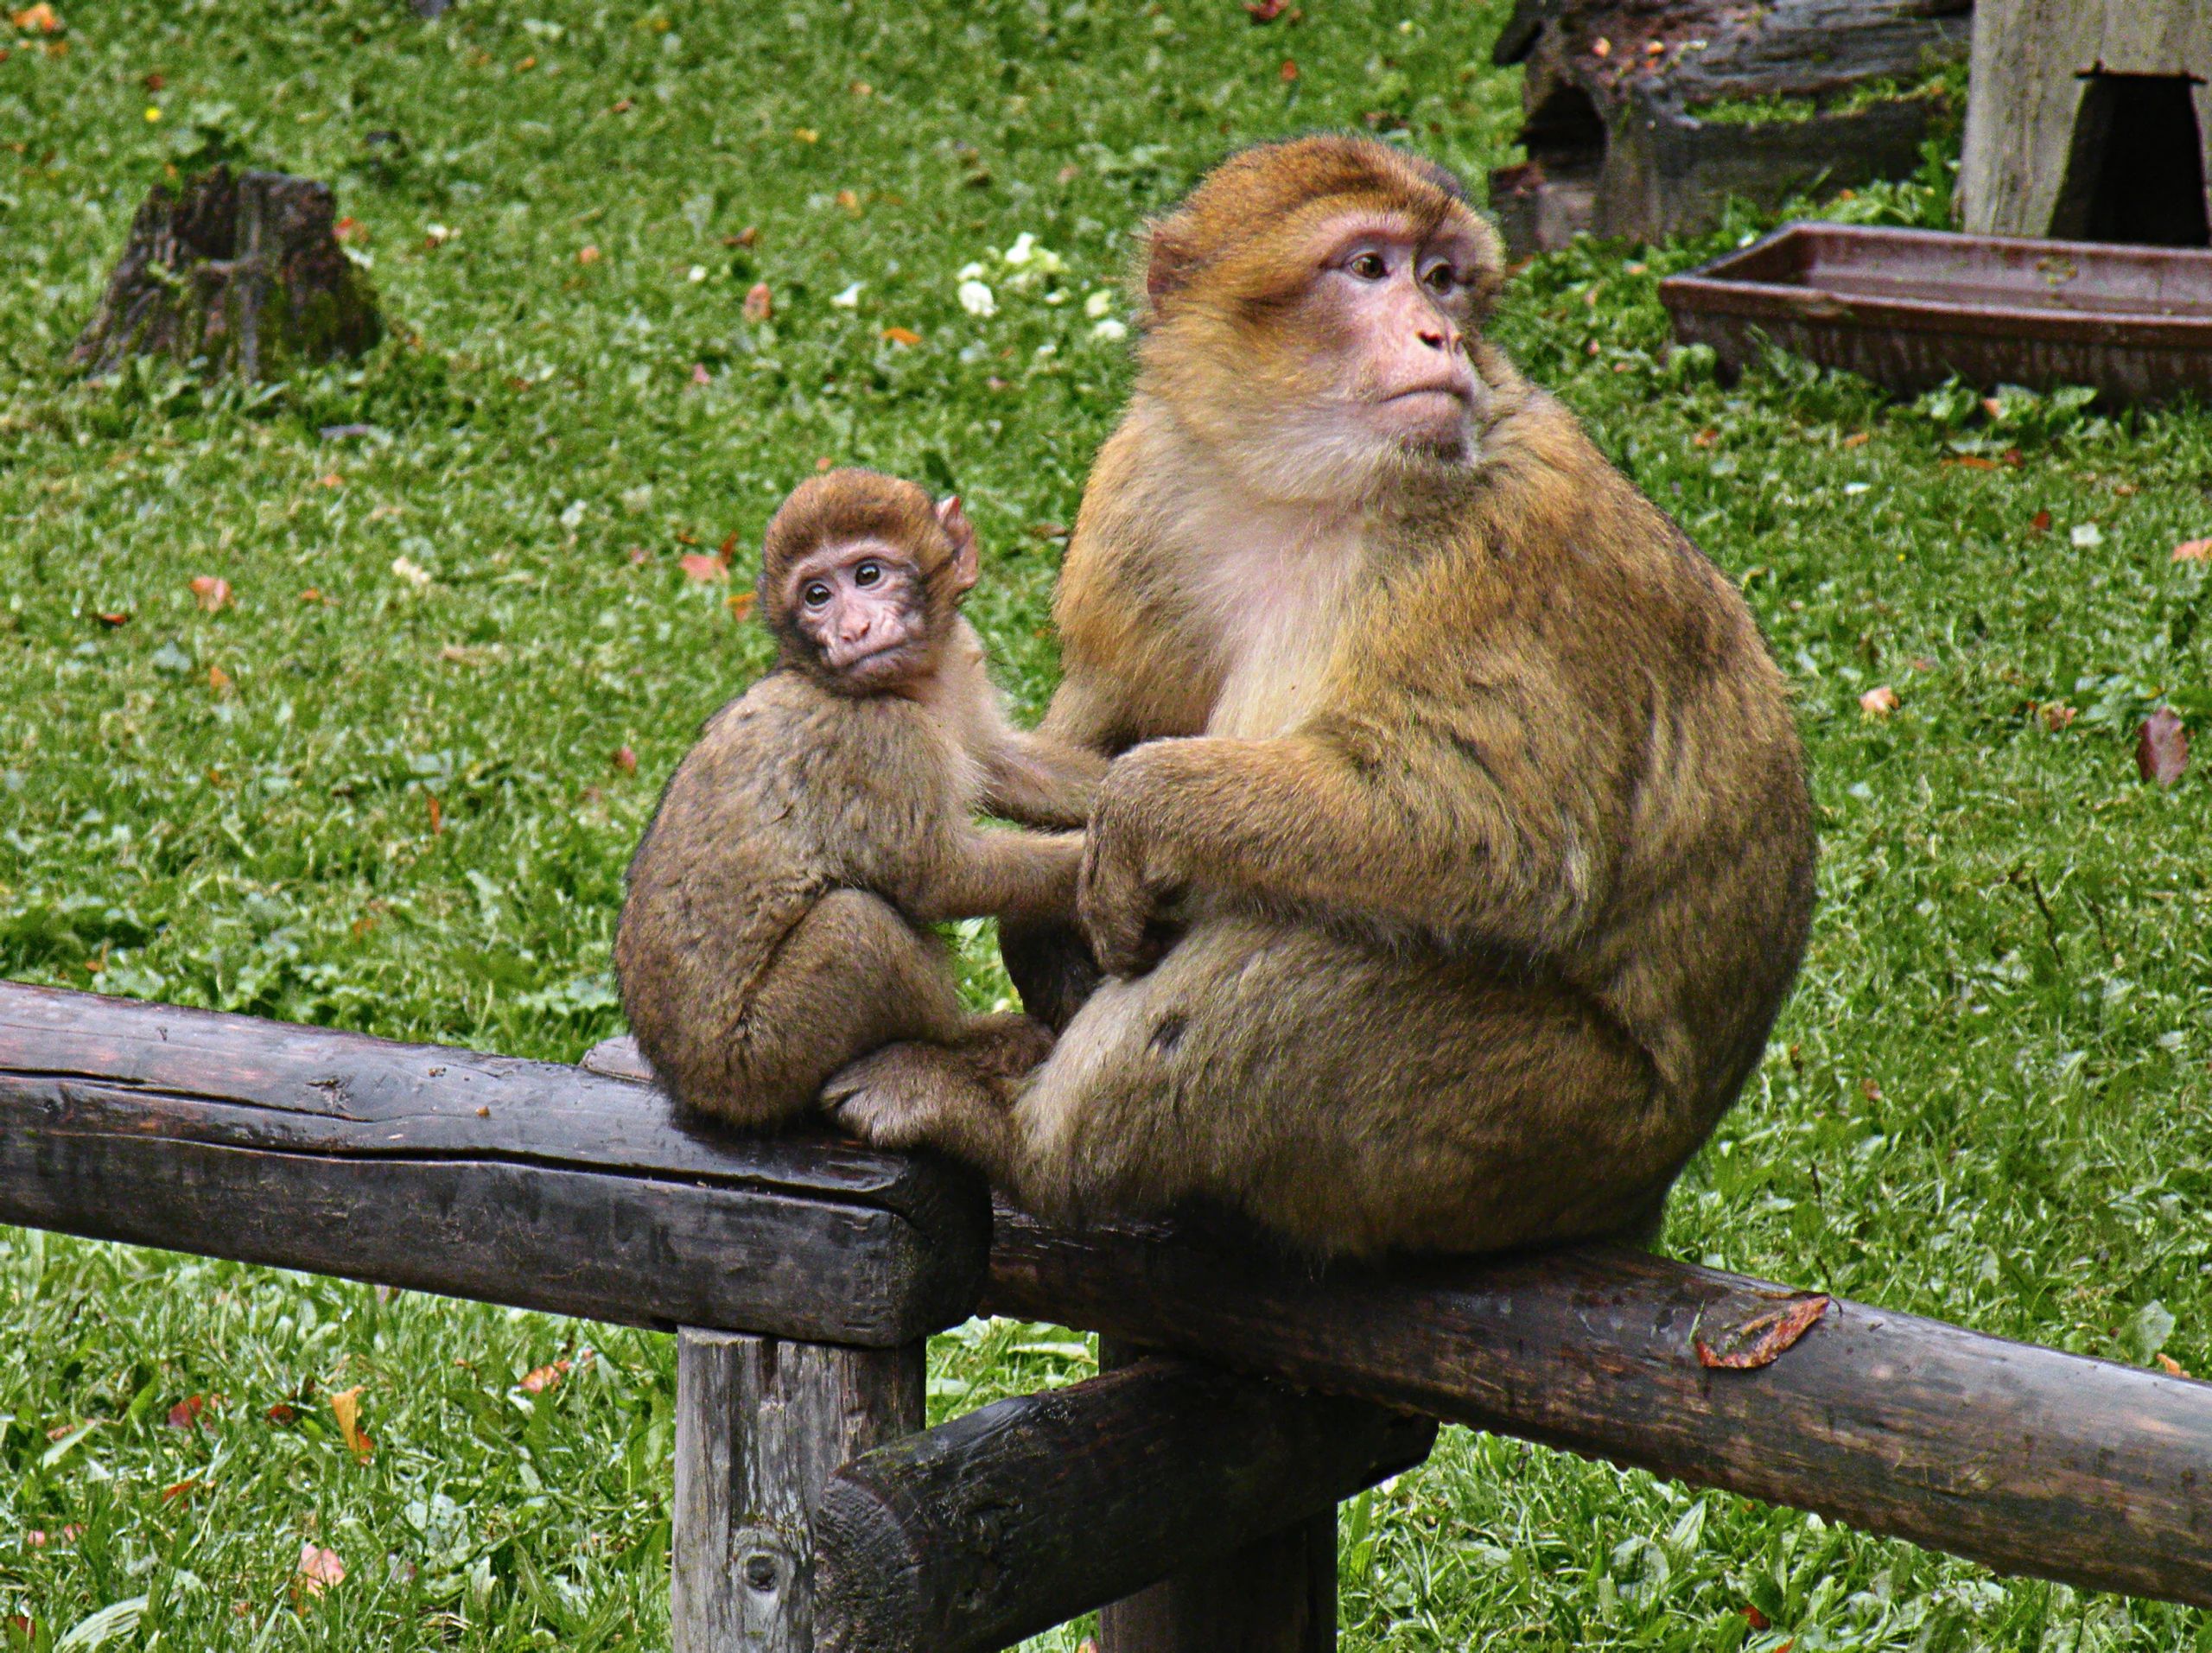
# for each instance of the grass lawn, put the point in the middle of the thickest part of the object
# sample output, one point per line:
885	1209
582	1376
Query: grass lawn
392	783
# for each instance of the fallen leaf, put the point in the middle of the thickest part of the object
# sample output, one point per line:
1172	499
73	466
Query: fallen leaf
182	1489
282	1413
68	1535
588	255
1265	11
39	19
437	814
2172	1367
545	1378
22	1627
2162	747
332	480
1601	48
861	89
1762	1339
760	303
2040	522
1086	1646
1704	438
622	106
319	1569
902	336
1878	701
746	236
1289	71
626	760
346	1404
2058	714
219	681
1856	439
211	591
849	200
185	1414
1756	1619
2193	550
1972	461
311	596
700	566
700	375
1655	48
739	603
1992	407
114	617
806	135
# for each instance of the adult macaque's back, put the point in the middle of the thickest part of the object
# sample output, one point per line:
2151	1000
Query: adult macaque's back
1459	855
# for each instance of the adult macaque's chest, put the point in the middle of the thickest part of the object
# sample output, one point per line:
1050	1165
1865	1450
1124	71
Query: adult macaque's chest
1275	592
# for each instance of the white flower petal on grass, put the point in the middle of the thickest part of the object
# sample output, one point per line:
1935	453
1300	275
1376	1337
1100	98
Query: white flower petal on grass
1852	490
697	272
2087	535
850	298
977	299
1098	303
969	272
1019	253
411	571
1109	330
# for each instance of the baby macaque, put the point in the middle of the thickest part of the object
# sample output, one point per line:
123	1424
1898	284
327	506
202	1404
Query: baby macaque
777	922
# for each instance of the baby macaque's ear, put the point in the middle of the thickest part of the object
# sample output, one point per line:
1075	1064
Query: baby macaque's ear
962	532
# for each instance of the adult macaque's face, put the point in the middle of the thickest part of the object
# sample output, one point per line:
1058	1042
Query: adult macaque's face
860	604
1388	308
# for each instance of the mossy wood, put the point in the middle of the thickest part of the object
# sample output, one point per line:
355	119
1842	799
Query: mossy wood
1643	118
243	271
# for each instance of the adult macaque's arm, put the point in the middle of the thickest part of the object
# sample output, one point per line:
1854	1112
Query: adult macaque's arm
1455	838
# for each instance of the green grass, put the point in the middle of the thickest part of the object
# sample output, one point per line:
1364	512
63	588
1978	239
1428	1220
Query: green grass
1988	1102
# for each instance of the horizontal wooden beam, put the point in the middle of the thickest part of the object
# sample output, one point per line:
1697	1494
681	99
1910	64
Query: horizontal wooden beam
2024	1458
528	1183
1024	1513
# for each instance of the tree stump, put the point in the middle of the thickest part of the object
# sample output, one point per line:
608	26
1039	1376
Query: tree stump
243	272
1644	117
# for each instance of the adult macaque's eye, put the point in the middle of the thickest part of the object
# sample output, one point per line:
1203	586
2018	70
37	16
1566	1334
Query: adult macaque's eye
816	593
1440	278
867	574
1369	266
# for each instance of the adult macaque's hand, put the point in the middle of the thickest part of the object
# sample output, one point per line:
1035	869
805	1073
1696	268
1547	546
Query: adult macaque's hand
1126	876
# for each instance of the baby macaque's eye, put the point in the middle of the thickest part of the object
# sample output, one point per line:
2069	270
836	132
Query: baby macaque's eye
1440	278
816	594
1369	266
867	574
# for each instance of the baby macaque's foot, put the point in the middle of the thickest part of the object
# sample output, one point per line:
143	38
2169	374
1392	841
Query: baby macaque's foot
916	1096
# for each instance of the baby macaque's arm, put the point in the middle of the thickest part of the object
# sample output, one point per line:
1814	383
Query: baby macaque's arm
1039	781
1026	877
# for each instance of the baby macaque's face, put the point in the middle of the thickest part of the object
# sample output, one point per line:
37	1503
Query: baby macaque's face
861	606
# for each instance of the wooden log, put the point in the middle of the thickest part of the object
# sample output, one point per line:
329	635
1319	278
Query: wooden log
1275	1594
527	1183
760	1425
243	271
1024	1513
2024	1458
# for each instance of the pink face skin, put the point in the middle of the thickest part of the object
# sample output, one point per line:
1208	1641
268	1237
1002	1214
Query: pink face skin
1393	307
862	605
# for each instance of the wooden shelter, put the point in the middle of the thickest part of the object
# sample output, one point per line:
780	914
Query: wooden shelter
1644	118
2089	120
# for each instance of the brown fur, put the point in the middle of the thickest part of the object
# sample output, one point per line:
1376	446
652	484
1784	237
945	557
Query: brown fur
775	926
1472	786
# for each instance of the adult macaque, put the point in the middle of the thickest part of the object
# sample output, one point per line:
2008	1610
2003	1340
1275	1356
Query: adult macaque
1465	783
774	926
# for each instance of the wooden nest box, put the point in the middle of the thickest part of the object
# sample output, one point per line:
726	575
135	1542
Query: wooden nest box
1644	117
2087	121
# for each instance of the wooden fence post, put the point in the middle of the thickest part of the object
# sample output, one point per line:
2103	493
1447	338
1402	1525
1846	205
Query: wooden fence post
1277	1594
761	1423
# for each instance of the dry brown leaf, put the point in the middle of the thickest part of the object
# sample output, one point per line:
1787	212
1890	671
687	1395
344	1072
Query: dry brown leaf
2058	714
1878	701
2193	550
588	255
739	603
2172	1367
437	814
760	303
1972	461
544	1378
182	1489
1601	48
902	336
212	592
1762	1339
318	1570
700	566
1756	1619
1265	11
2040	522
219	681
700	375
1704	438
2162	747
22	1629
1859	439
1289	71
626	760
113	616
346	1406
850	200
186	1414
283	1412
39	19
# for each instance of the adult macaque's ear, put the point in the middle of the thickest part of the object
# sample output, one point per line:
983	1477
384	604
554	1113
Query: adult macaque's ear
966	562
1168	263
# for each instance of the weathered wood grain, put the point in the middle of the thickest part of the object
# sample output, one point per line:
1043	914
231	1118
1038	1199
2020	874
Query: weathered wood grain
2025	1459
760	1425
1275	1594
529	1183
1024	1513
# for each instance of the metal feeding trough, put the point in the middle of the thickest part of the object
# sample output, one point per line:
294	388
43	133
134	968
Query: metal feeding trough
1911	308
